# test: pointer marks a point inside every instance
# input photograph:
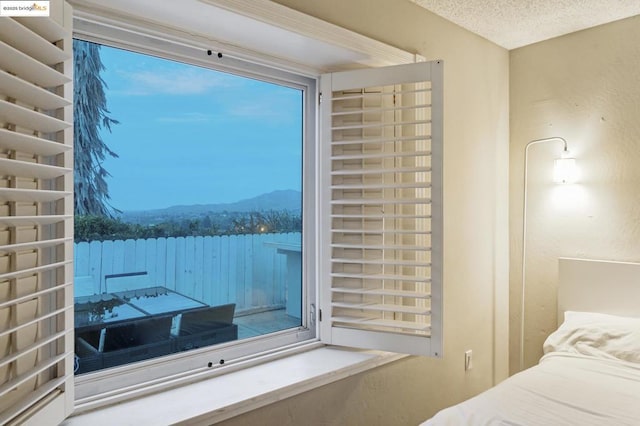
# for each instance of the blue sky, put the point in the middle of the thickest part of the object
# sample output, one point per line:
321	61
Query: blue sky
190	135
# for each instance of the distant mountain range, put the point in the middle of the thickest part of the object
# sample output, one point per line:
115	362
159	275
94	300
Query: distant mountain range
289	200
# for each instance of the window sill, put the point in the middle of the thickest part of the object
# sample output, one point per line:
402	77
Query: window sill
228	395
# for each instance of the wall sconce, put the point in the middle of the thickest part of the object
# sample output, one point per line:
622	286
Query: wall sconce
564	172
564	168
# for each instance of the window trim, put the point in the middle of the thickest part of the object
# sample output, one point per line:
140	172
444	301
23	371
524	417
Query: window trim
102	387
327	365
355	50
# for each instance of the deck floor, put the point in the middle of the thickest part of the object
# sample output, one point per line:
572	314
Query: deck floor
252	325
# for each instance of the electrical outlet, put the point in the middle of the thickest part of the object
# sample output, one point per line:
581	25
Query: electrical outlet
468	360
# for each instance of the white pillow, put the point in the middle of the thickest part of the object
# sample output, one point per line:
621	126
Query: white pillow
598	335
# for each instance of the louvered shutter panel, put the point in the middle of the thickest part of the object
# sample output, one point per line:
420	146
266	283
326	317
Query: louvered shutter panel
381	195
36	218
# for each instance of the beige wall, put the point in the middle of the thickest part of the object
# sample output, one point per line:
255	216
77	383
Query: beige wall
476	242
584	87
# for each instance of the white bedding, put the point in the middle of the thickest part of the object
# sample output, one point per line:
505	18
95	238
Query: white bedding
585	378
563	389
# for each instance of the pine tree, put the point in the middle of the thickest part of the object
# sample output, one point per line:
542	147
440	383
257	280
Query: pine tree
90	116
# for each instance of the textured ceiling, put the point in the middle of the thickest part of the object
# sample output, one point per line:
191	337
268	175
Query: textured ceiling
516	23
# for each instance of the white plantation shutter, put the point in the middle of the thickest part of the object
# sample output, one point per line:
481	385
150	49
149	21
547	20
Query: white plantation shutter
36	218
381	192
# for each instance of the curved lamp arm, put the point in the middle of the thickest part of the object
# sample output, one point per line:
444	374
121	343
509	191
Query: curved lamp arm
524	234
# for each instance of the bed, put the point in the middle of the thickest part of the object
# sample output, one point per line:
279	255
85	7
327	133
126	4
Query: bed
590	371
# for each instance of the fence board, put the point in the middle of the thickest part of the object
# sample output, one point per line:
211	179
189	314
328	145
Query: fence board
118	256
161	261
241	269
198	270
140	258
129	260
107	263
223	288
207	270
81	262
96	261
151	260
180	265
230	264
217	289
170	266
259	278
241	283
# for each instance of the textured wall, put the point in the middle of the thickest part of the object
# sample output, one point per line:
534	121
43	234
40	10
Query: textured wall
584	87
476	242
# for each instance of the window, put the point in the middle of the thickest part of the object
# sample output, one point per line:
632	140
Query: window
200	251
188	206
368	167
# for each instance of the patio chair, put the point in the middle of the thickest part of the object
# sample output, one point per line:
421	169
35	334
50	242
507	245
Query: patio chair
123	343
206	326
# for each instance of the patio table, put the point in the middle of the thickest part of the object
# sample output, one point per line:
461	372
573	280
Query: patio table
98	310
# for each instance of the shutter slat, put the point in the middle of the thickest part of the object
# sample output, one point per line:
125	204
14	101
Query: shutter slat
403	278
33	245
368	141
32	195
32	170
351	111
376	322
380	125
30	144
48	29
30	119
366	156
380	307
380	171
32	220
383	186
33	295
29	69
35	320
369	201
38	394
393	262
39	368
29	93
379	231
382	292
34	270
35	346
380	247
365	95
23	39
379	216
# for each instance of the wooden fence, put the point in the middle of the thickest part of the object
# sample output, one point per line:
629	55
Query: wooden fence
242	269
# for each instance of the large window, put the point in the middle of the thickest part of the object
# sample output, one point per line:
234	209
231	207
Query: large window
211	201
188	206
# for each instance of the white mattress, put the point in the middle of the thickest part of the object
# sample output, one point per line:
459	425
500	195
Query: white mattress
563	389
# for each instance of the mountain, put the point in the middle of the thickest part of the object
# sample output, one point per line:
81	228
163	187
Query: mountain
289	200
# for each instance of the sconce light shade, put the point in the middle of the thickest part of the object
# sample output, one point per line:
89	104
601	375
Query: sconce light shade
564	170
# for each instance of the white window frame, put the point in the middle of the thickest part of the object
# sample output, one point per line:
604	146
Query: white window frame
136	379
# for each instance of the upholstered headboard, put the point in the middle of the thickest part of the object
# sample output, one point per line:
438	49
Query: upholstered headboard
598	286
